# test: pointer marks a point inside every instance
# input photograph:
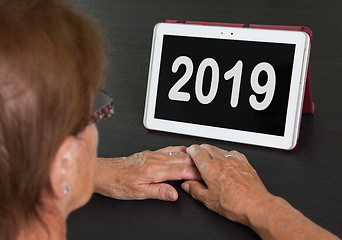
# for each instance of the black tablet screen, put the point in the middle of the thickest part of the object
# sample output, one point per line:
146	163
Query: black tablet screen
242	85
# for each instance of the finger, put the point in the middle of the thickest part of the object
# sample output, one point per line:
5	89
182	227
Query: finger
200	157
237	156
219	153
172	149
161	191
162	172
179	157
196	189
167	158
213	151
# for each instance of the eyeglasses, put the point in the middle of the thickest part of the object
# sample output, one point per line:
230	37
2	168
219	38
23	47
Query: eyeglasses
103	107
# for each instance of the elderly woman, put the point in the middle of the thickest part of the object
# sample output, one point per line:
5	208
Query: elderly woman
52	63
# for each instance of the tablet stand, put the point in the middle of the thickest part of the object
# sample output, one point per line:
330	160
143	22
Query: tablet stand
308	105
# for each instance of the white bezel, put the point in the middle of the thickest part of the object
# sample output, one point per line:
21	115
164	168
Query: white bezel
294	111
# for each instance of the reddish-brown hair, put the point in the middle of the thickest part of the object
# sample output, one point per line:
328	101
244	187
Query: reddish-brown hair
52	62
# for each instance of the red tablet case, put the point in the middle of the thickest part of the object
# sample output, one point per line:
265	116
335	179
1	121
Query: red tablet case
308	105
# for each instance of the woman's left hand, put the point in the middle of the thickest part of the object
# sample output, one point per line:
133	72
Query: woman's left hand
140	176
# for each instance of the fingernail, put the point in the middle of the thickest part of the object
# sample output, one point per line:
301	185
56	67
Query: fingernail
171	195
185	187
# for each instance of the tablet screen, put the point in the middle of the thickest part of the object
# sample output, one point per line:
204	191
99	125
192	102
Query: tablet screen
234	84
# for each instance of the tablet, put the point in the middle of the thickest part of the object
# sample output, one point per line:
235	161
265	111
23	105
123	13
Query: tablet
235	84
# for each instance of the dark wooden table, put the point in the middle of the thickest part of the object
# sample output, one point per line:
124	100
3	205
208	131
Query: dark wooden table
309	177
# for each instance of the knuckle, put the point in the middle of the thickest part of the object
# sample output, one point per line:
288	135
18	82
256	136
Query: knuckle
205	145
146	153
226	163
194	146
234	152
239	155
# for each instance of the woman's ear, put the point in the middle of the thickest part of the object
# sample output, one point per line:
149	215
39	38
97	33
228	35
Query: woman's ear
59	175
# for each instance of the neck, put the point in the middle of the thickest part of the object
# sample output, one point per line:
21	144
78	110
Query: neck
52	228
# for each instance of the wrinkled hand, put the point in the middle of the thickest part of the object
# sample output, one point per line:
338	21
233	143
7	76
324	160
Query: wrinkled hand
233	186
140	176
